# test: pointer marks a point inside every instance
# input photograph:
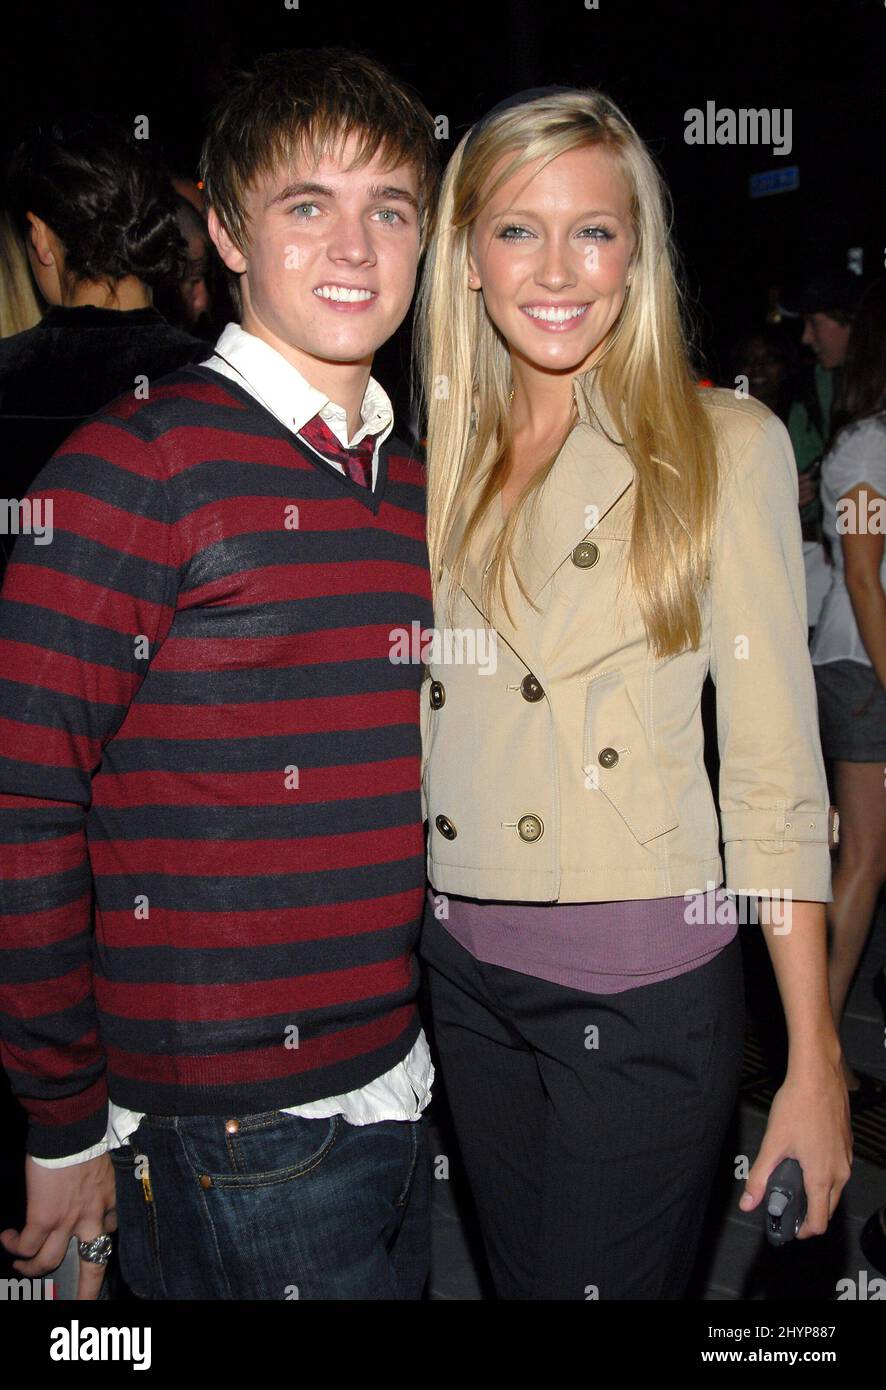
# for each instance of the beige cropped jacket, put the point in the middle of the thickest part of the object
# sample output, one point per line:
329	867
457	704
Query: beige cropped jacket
563	762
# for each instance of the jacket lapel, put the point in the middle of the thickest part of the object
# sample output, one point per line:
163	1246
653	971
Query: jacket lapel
590	474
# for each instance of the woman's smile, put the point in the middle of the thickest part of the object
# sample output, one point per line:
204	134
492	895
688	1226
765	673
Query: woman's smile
555	318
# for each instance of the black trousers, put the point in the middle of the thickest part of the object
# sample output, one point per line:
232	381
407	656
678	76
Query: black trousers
590	1125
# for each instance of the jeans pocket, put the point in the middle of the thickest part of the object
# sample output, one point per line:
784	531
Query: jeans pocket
137	1233
257	1150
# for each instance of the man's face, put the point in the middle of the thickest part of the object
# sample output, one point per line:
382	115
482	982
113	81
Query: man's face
827	338
331	258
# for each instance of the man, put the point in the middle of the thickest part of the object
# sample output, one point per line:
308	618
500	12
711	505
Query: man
827	305
207	723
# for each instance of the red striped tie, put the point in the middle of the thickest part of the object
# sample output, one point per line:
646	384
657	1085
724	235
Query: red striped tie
357	462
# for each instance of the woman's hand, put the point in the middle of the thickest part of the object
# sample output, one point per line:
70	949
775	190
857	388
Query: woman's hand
808	1121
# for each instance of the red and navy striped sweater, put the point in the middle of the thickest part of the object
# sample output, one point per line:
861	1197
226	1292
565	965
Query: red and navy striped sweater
210	807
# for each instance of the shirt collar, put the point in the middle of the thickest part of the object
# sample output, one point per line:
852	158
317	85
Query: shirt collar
291	397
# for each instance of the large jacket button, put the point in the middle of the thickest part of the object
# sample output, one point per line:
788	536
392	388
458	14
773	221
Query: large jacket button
438	694
531	688
607	757
530	827
445	827
585	554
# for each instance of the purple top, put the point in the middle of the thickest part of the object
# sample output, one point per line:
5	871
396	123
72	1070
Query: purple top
602	948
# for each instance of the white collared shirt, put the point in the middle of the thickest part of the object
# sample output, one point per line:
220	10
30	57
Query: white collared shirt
403	1092
281	388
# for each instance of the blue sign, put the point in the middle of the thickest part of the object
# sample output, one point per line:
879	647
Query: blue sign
775	181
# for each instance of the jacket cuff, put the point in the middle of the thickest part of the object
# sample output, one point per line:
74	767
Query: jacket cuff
788	869
781	825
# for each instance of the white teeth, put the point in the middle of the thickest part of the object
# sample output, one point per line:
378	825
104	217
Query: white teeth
553	315
339	292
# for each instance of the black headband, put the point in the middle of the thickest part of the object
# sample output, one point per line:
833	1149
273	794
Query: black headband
518	99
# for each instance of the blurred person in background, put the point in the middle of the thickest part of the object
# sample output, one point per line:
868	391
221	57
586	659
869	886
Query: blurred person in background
187	301
191	191
849	655
767	358
19	306
826	304
97	213
222	288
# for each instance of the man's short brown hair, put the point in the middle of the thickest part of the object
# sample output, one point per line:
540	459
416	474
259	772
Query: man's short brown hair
310	101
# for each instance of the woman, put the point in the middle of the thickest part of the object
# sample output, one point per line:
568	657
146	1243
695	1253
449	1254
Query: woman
617	532
96	212
849	654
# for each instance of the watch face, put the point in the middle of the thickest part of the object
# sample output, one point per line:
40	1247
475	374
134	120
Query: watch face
833	826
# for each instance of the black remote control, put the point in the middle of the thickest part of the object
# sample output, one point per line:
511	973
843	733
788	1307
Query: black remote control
784	1202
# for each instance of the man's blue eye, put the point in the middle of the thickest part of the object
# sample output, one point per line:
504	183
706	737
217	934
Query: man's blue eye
306	208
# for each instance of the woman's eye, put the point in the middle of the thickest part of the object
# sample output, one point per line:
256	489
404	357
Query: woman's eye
300	207
514	233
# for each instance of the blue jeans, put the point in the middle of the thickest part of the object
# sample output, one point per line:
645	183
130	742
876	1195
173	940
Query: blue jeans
279	1207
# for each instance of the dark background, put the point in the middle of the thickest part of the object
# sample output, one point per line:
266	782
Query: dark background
824	59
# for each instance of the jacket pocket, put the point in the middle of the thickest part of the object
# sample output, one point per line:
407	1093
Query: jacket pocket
619	762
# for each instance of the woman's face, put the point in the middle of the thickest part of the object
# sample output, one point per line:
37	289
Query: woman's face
552	254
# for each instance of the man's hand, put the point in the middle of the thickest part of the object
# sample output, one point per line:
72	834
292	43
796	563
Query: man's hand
79	1200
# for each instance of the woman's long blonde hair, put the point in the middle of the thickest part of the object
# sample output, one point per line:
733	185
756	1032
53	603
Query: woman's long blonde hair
644	374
